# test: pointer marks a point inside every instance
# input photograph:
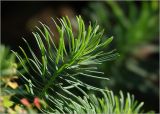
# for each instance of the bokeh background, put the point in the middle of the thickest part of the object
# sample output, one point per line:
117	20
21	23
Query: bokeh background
134	25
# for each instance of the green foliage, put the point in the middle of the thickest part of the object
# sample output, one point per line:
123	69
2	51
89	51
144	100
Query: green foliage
135	29
8	86
108	104
134	26
56	62
8	70
7	60
56	73
129	28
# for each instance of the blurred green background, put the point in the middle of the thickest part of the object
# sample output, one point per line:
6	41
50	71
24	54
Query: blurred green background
134	25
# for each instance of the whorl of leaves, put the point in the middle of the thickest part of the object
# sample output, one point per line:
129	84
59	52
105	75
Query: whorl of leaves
52	74
108	104
58	62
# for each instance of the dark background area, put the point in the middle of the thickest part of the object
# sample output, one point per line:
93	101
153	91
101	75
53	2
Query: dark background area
15	16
